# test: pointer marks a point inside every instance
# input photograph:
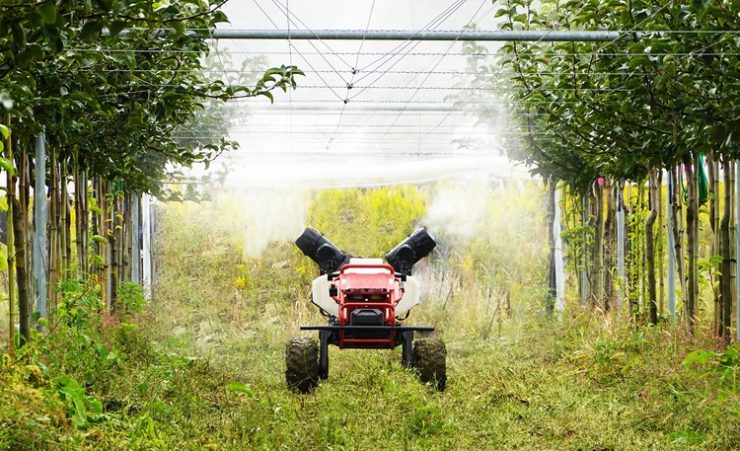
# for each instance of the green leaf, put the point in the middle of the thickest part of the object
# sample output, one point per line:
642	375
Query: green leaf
160	4
91	30
7	165
99	239
5	131
698	357
19	35
115	27
268	94
48	12
241	388
179	27
30	54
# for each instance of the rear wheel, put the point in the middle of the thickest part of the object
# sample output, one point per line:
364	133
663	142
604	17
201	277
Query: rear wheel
302	364
430	360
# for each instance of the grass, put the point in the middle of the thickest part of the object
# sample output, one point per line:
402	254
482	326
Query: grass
202	368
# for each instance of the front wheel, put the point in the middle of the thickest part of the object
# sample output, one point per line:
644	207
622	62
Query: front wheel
302	364
430	360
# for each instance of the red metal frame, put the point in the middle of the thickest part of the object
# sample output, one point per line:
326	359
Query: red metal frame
382	283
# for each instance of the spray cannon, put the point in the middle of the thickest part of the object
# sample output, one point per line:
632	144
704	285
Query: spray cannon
315	246
417	246
330	258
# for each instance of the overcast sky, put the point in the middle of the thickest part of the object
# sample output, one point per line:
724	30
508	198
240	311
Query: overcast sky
396	126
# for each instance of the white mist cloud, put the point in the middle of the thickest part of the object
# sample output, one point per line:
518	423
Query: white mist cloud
459	206
348	171
272	215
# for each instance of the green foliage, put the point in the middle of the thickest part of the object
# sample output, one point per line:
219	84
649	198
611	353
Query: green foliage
129	298
202	365
725	363
241	388
637	103
79	303
81	408
67	67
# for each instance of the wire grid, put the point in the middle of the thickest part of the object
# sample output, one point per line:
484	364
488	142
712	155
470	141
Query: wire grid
374	101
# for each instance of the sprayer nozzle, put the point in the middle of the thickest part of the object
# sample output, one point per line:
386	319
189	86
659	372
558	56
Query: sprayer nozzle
315	246
417	246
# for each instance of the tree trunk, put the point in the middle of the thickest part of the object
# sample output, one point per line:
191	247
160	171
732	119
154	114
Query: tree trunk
66	223
716	246
597	279
113	244
53	228
40	224
20	226
551	280
84	221
126	237
660	248
585	270
10	196
692	213
633	246
61	226
80	218
670	247
678	229
609	245
733	232
641	249
621	231
571	211
96	231
726	247
103	226
135	240
650	248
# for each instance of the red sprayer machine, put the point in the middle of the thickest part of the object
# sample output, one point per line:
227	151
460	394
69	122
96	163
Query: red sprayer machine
365	301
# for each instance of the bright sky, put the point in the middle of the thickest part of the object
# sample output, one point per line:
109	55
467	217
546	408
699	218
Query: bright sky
397	125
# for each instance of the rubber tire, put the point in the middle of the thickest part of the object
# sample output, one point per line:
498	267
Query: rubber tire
430	360
302	364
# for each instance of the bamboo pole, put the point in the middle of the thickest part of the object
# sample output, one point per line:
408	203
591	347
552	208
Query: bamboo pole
650	248
66	222
10	242
40	258
660	248
147	266
558	255
62	226
622	282
692	165
53	225
725	322
20	236
135	243
679	232
716	243
671	248
737	250
609	244
597	279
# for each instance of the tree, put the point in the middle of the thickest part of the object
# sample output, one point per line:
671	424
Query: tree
74	71
653	99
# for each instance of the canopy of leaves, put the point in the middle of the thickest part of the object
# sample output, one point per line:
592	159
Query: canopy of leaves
661	93
112	82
